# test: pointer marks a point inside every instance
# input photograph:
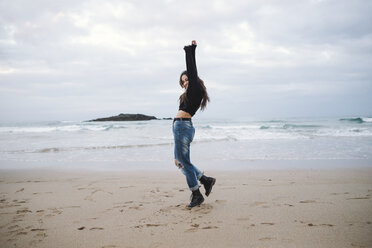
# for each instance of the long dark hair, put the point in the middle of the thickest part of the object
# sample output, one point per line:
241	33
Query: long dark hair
205	99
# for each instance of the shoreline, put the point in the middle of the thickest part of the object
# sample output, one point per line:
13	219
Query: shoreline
168	166
262	208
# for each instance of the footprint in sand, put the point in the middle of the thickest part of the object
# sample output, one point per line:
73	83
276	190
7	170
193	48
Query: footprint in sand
330	225
203	209
37	229
266	239
96	228
268	223
135	207
210	227
169	209
308	201
20	190
311	224
149	225
195	227
20	201
54	212
100	190
166	194
304	222
359	198
23	211
39	236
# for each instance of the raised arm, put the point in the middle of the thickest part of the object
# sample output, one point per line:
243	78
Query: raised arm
192	72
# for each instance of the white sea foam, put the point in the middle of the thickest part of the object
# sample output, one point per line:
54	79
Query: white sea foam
348	138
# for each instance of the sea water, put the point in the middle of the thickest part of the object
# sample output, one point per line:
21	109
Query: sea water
218	144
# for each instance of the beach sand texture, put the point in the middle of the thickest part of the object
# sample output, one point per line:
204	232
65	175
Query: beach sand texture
261	208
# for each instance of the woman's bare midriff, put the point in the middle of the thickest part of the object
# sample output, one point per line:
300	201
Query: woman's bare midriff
183	114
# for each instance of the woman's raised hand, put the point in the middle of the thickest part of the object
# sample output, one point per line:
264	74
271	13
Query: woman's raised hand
189	46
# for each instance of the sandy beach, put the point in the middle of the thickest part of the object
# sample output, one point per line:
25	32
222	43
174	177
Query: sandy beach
252	208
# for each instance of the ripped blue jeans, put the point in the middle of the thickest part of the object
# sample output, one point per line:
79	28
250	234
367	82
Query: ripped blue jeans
183	132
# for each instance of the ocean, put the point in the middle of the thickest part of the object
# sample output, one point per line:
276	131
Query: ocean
218	144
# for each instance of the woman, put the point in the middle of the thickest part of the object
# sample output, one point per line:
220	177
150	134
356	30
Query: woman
194	97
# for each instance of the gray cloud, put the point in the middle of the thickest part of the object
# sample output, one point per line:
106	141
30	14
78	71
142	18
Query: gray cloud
83	59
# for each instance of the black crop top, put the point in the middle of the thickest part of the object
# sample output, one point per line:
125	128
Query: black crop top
194	90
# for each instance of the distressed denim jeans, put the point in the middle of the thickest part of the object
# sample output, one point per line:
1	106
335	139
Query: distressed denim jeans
183	132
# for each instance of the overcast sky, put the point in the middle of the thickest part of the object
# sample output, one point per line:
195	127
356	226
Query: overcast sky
78	60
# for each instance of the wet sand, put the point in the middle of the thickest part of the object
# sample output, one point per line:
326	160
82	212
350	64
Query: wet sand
256	208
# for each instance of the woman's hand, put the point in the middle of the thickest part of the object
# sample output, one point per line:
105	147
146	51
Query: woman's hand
179	165
188	47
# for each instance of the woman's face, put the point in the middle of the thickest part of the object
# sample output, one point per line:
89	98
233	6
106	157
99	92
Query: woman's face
185	81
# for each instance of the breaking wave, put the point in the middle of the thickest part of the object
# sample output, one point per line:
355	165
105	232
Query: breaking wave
358	119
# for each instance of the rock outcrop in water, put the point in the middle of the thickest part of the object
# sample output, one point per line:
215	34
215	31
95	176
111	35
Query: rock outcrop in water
127	117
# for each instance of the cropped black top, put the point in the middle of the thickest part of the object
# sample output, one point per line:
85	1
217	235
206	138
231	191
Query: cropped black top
194	92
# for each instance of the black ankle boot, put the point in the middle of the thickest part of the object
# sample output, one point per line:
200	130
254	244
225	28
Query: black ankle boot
196	199
208	183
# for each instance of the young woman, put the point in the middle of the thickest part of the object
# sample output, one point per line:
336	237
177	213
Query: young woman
194	97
